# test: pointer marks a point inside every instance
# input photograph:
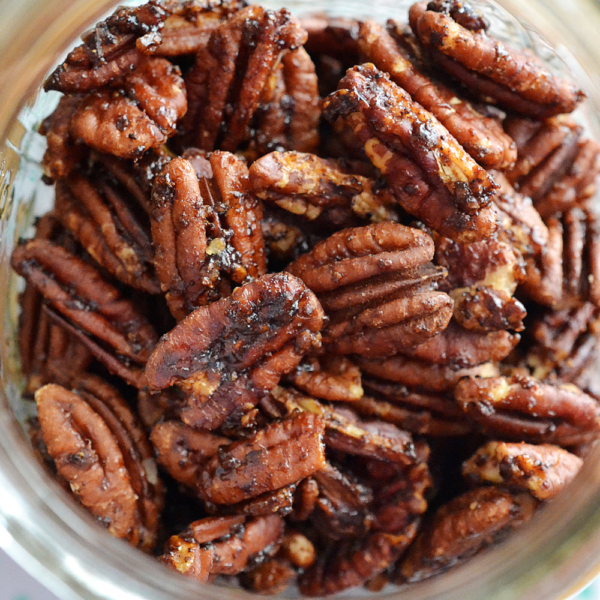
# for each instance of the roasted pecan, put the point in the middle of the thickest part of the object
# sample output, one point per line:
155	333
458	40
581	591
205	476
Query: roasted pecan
432	176
333	36
462	528
522	408
108	324
223	545
102	451
375	283
104	222
228	80
328	377
305	499
232	352
206	231
136	112
514	79
271	577
542	470
110	49
482	137
280	502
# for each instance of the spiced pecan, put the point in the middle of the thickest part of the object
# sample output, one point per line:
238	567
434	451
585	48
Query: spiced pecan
514	79
542	470
305	499
279	502
228	79
102	451
462	528
271	577
482	137
222	545
523	408
333	36
136	112
375	283
432	176
255	336
206	231
108	324
283	453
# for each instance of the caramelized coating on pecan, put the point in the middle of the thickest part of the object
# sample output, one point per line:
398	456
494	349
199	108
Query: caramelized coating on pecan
234	351
375	284
333	36
282	453
101	450
329	377
228	79
106	225
138	112
270	578
523	408
111	49
462	528
482	137
108	324
514	79
432	176
542	470
222	545
206	231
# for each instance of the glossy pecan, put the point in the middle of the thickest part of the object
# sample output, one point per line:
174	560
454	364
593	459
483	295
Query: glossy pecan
110	49
228	80
482	137
432	176
514	79
523	408
375	284
136	112
103	219
333	36
305	499
232	352
462	528
100	448
270	578
108	324
283	453
222	545
543	470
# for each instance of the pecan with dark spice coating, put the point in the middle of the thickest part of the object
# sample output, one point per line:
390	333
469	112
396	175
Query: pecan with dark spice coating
523	408
282	453
433	178
108	324
102	451
137	112
270	578
514	79
231	353
482	137
462	528
543	471
375	284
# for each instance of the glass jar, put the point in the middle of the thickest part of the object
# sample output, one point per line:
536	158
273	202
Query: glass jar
41	527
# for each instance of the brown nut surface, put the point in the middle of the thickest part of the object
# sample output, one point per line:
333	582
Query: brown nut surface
543	471
515	79
432	176
234	351
463	527
523	408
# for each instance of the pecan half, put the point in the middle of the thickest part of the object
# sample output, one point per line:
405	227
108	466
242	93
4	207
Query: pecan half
482	137
462	528
108	324
102	451
222	545
432	176
375	284
271	577
206	231
514	79
523	408
283	453
232	352
542	470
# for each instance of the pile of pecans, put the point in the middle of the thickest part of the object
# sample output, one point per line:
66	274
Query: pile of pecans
319	299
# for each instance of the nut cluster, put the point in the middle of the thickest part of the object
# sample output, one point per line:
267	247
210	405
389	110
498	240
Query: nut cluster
306	312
